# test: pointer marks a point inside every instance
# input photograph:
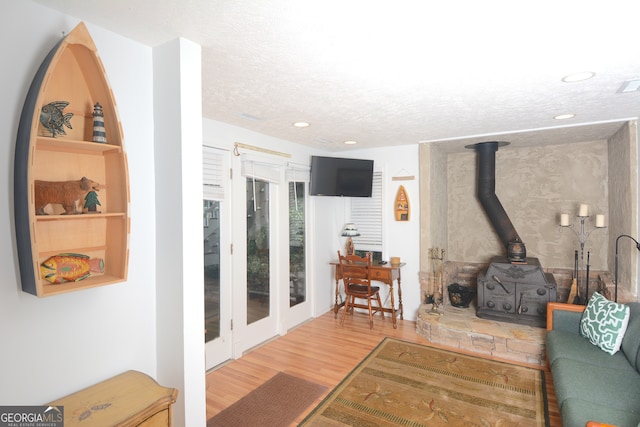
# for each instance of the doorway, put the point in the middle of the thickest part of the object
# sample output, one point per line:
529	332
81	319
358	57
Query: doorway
255	249
217	259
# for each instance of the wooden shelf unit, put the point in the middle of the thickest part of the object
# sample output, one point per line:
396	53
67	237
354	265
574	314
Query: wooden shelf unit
72	72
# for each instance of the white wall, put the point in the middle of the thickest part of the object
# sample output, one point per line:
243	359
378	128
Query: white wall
179	280
329	216
57	345
401	238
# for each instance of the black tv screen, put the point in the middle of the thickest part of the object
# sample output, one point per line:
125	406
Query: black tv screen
334	176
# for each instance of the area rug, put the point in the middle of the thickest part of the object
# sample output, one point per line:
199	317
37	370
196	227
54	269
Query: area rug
408	384
278	402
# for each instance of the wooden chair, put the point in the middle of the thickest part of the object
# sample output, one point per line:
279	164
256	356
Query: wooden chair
356	276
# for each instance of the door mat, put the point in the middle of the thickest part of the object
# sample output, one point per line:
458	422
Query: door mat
278	402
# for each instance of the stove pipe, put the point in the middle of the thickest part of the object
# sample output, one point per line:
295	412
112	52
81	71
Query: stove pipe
516	251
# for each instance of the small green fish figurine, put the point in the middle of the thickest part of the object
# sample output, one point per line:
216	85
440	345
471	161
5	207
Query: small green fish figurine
53	118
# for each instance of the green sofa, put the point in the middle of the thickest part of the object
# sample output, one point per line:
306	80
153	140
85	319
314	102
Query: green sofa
590	384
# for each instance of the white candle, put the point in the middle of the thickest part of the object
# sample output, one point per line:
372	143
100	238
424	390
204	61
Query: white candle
564	220
600	221
584	210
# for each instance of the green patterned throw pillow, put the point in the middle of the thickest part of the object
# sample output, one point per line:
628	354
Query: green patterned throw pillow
604	323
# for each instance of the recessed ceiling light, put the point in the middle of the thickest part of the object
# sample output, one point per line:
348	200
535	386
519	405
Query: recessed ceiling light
351	142
564	116
578	77
302	124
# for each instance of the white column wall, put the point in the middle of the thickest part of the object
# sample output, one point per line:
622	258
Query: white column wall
178	186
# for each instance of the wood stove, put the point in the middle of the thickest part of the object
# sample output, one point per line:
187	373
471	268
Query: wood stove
515	292
514	288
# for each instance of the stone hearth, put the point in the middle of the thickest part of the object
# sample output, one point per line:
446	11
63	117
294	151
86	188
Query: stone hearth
461	328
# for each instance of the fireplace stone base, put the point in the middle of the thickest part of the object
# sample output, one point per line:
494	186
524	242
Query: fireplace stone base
461	328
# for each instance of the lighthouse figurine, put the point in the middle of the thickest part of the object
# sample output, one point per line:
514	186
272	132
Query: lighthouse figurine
99	134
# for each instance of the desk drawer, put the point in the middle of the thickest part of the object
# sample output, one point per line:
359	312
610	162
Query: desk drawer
380	274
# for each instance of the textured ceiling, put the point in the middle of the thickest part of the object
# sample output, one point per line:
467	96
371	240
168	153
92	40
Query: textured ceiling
391	72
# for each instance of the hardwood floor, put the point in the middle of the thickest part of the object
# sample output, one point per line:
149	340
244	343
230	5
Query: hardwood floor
321	351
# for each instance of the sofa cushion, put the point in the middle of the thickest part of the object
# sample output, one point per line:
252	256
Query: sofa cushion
616	388
631	340
576	413
604	323
574	346
568	321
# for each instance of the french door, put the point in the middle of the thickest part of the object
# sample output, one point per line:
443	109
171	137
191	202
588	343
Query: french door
217	260
298	302
255	305
255	249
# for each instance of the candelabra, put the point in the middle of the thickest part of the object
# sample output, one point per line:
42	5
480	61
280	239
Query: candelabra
583	235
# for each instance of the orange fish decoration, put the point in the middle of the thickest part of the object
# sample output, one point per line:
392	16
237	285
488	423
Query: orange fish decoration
70	267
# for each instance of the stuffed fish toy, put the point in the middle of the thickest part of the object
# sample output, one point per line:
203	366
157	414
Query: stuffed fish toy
53	118
70	268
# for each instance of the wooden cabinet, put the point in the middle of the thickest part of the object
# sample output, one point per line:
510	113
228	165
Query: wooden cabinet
129	399
72	73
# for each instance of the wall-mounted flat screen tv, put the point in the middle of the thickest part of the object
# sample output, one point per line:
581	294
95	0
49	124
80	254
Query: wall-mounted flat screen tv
334	176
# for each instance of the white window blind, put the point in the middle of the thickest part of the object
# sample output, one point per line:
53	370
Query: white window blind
213	173
293	174
298	173
261	169
366	214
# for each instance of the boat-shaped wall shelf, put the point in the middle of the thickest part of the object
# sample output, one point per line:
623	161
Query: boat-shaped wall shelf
71	180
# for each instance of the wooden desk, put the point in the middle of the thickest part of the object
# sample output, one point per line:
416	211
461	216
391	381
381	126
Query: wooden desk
385	273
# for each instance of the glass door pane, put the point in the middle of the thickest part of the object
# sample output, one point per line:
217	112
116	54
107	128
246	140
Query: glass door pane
258	272
297	264
211	220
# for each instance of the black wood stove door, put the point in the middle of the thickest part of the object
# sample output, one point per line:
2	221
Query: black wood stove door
516	302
